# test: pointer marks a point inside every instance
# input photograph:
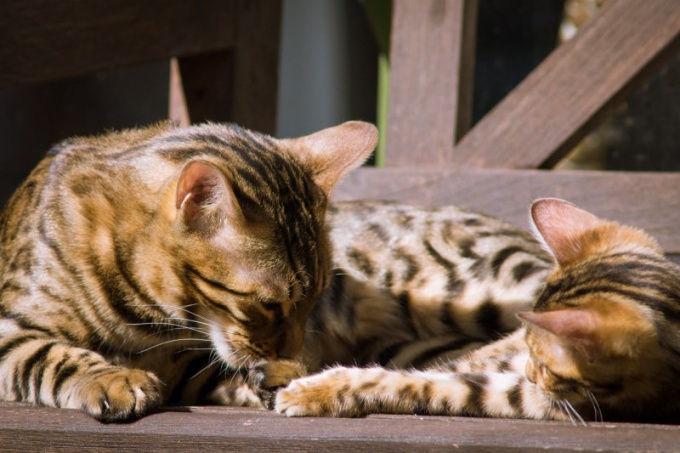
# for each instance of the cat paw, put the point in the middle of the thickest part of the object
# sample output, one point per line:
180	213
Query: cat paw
121	395
265	378
320	395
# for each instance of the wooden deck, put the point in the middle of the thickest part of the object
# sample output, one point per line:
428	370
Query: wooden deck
187	429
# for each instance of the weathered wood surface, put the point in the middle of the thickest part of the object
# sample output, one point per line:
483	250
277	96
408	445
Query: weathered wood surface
45	40
646	200
557	104
432	63
190	429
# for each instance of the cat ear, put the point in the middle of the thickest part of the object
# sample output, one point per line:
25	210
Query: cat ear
576	328
329	154
560	226
204	198
569	323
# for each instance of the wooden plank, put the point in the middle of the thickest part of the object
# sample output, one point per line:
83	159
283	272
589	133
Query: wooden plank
256	65
646	200
431	61
555	106
191	429
43	40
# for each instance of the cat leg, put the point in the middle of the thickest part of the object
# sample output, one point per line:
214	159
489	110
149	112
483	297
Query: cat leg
43	370
349	392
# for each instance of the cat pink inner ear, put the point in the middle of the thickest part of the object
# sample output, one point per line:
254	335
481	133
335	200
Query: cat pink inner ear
204	196
570	324
561	226
329	154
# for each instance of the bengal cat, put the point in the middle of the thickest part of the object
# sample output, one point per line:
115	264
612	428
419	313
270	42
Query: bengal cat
602	342
136	265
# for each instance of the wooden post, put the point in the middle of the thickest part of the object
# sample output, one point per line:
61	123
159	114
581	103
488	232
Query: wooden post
431	57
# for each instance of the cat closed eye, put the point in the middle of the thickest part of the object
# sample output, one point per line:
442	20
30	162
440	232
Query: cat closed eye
270	305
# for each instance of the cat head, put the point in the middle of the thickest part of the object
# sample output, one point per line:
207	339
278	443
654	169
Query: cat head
604	325
255	252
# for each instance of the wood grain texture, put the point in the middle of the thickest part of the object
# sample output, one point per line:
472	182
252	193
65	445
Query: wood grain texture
196	429
646	200
560	101
45	40
431	58
256	64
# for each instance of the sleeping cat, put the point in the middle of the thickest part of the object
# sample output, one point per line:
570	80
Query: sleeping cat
602	342
133	265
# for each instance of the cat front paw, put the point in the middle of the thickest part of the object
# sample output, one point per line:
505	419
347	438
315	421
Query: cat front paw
119	395
327	394
265	378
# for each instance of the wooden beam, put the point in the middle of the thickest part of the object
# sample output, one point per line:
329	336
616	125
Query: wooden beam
44	40
208	429
256	64
646	200
431	58
560	101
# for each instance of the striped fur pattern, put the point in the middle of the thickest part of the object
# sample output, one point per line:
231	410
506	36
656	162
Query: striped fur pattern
601	343
143	267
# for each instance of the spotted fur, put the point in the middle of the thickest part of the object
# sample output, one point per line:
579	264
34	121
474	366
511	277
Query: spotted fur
413	284
602	342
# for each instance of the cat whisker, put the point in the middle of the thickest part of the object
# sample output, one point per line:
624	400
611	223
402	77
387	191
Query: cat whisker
571	411
175	318
197	349
212	362
170	341
566	410
167	324
239	366
172	324
183	308
596	407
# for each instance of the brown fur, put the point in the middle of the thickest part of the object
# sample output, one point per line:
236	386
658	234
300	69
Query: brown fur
133	262
601	342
